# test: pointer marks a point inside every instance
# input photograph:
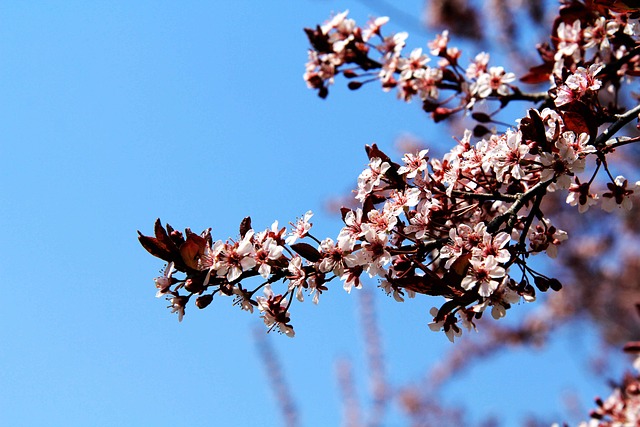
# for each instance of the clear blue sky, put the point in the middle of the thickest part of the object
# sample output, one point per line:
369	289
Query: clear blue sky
115	113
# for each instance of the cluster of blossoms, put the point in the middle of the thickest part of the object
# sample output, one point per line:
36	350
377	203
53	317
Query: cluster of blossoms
341	47
461	227
582	34
621	408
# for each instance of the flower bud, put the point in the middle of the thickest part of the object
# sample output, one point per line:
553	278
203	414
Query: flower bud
480	131
441	113
349	74
555	284
481	117
542	283
632	347
204	301
193	287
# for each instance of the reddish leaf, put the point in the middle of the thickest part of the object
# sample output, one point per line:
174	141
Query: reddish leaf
154	247
344	211
192	249
307	251
620	6
429	284
162	246
373	151
245	226
318	40
538	74
163	237
579	119
632	347
369	204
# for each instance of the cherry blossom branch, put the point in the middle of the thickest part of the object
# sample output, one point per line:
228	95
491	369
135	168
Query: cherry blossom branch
445	227
518	95
623	120
485	196
520	201
619	142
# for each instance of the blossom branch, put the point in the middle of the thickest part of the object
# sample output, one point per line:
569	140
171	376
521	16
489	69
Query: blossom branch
623	120
445	227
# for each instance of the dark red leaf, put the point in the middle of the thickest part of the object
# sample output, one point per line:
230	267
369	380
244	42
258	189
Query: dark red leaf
307	251
632	347
245	226
538	74
343	212
373	151
192	249
154	247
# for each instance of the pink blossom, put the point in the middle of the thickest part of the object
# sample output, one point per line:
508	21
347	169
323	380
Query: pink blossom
493	246
267	252
564	95
243	298
373	27
512	154
164	282
397	293
583	80
178	304
380	222
618	195
600	33
478	66
568	40
580	195
414	163
297	276
370	177
483	273
408	66
374	254
352	230
351	278
335	258
546	237
420	223
399	200
426	80
231	259
439	45
274	311
300	228
495	81
392	45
